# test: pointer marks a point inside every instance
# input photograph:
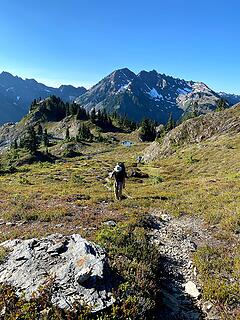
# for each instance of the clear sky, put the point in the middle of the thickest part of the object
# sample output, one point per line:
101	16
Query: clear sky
80	41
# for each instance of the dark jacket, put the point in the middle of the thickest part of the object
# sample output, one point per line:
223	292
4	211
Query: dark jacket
120	176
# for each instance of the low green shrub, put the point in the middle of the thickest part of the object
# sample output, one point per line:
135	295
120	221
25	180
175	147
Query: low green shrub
136	261
219	270
157	180
3	254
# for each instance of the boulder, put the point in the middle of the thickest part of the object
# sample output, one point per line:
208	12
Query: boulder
191	289
138	174
78	270
110	223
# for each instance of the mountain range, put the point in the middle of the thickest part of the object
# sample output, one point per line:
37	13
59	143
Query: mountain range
149	95
17	94
143	95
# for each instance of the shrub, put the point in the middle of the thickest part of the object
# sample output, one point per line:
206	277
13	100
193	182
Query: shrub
136	261
3	254
218	268
157	180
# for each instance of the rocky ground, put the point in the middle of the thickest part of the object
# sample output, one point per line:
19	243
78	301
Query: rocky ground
177	240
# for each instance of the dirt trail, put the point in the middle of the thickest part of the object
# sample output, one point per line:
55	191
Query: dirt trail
177	239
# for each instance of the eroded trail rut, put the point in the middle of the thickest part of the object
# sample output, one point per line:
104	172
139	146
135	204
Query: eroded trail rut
177	239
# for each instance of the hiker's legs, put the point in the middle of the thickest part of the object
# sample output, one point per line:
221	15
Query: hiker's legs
120	187
116	190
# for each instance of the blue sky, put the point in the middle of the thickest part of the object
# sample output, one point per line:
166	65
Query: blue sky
80	41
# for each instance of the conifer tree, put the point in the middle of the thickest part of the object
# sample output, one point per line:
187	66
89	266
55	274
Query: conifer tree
221	105
170	123
67	135
195	109
147	130
84	133
67	109
30	141
82	114
14	145
93	115
45	138
39	130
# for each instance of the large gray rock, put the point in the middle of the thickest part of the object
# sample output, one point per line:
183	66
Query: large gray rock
78	269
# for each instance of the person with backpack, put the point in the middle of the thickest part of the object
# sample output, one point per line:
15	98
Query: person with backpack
119	174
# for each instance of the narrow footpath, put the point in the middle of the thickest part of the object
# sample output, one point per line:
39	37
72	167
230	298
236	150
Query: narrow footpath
177	239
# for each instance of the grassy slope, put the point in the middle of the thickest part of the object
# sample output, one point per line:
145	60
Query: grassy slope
201	179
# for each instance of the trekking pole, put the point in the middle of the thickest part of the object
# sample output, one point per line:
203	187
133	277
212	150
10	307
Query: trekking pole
128	196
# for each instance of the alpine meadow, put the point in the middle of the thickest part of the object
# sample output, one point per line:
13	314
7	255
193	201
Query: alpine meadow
119	160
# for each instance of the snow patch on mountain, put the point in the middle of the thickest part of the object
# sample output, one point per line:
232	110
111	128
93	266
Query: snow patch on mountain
184	90
8	89
124	87
155	95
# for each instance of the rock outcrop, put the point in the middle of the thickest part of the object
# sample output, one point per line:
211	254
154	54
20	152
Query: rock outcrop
77	269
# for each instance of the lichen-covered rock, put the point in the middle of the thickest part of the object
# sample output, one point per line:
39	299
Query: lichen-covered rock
78	269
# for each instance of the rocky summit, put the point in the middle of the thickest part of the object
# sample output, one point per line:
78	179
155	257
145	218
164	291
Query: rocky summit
150	94
77	269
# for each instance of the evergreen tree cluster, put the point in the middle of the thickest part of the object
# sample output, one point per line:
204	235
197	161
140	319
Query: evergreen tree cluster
101	118
123	121
32	139
84	133
147	130
54	109
51	109
170	123
72	109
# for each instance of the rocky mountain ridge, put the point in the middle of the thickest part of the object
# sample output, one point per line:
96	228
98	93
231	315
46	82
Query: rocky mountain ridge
17	94
149	95
143	95
231	98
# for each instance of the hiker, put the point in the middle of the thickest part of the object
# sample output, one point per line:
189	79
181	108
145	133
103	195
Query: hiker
119	174
139	159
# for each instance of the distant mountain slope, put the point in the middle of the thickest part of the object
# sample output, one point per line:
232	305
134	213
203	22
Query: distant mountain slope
196	130
17	94
144	95
148	94
230	98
